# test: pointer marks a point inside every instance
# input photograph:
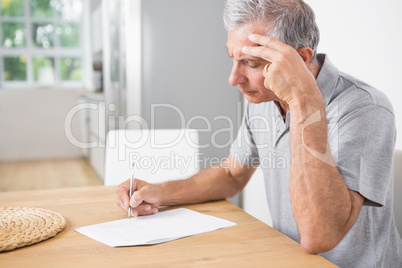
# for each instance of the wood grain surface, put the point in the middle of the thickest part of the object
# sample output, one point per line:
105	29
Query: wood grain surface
249	244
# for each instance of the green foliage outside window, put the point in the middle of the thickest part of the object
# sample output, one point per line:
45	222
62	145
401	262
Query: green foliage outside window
13	34
15	69
42	64
43	35
69	35
53	25
12	8
70	69
41	8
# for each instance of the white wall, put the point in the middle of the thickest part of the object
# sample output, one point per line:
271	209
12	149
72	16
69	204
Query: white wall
363	38
254	200
185	64
32	124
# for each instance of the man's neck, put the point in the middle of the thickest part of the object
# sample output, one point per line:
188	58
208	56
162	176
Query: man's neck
314	68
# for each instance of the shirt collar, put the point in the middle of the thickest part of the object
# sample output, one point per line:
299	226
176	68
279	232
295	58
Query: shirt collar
327	77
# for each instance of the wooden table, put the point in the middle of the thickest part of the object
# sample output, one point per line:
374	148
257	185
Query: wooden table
249	244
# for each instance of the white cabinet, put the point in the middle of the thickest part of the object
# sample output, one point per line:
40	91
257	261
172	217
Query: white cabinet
95	131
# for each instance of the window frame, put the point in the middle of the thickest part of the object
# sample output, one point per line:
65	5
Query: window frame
56	52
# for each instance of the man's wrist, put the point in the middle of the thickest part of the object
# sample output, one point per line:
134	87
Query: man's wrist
171	193
302	107
164	193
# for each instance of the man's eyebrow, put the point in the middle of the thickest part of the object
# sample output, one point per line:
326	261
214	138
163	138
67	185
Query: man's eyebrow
249	59
245	58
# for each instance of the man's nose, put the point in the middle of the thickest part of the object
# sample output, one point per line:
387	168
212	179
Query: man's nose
236	76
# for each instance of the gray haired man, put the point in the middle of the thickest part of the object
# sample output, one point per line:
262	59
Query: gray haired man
334	193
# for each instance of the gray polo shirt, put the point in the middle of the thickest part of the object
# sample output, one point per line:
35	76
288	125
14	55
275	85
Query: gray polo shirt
361	134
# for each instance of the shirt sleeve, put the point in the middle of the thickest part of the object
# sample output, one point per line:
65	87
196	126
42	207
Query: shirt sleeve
244	150
362	145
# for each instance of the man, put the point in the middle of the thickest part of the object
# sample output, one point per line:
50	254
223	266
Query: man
334	194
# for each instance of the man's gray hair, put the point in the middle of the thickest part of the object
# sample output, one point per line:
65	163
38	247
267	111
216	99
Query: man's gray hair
290	21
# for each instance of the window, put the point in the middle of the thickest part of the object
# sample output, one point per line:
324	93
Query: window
41	42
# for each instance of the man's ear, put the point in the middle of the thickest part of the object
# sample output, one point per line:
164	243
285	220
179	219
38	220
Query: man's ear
306	54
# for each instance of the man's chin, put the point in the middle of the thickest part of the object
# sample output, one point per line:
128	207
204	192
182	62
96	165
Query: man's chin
257	100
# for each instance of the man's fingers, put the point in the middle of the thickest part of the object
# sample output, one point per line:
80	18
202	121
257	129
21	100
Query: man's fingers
144	209
136	199
265	53
144	201
266	41
123	193
121	205
270	49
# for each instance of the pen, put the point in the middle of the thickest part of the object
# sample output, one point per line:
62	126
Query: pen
131	188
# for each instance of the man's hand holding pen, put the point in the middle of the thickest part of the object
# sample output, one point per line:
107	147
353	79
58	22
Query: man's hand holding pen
145	198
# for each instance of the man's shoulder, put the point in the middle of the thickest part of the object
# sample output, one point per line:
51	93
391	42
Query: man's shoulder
352	94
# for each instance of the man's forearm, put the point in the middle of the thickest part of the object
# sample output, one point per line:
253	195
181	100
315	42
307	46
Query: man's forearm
214	183
322	204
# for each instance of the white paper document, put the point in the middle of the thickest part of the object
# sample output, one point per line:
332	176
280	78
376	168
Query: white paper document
153	229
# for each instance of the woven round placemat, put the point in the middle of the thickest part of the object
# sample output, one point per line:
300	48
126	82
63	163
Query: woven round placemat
21	226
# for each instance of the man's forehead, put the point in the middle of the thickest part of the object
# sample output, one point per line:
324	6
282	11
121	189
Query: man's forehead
238	38
240	35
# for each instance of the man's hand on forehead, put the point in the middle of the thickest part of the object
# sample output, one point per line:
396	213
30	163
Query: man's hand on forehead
287	74
267	47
